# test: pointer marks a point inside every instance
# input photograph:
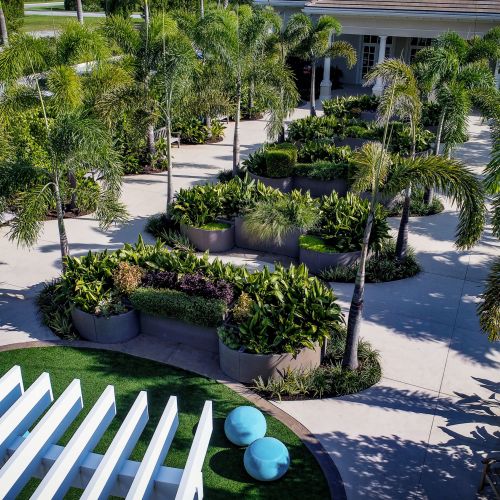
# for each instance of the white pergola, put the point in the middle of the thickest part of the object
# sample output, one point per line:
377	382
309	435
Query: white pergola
26	453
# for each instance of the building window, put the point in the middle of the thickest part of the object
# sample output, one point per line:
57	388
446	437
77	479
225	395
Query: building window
416	44
370	44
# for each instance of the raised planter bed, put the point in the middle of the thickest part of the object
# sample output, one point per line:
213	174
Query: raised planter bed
318	261
245	367
244	239
284	184
106	330
214	240
319	188
180	332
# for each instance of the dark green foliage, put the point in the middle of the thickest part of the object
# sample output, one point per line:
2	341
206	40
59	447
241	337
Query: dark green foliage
192	130
381	267
224	476
256	162
418	207
350	107
89	5
329	380
179	305
279	162
430	114
343	221
313	128
290	310
14	13
313	151
489	309
322	170
167	230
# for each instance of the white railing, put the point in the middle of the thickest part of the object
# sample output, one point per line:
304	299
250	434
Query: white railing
31	453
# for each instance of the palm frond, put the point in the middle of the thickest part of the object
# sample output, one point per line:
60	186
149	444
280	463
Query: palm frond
340	48
66	89
367	160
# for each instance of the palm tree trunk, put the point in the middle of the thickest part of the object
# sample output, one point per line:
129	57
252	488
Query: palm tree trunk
79	11
313	88
150	141
208	124
350	358
63	238
402	241
170	194
251	91
429	192
202	9
236	140
226	3
3	28
146	12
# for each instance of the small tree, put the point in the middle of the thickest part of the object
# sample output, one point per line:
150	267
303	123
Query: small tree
316	45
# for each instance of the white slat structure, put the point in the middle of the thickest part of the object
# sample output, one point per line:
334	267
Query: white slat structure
36	454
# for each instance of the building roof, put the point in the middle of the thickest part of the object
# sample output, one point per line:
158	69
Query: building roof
471	7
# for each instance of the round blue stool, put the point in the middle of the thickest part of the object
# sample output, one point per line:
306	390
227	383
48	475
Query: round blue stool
266	459
244	425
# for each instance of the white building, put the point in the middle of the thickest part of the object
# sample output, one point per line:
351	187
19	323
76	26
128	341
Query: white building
390	28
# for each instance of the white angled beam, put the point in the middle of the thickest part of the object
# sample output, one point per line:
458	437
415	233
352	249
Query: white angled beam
155	454
60	476
123	443
23	464
24	412
191	476
11	388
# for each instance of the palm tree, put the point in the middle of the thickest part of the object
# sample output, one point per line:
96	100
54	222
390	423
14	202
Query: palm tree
79	11
316	45
4	35
451	75
450	176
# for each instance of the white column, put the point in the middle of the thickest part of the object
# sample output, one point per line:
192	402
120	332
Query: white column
325	89
379	84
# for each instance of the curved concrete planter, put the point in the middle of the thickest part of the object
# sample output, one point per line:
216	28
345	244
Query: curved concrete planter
111	330
319	188
244	239
180	332
317	261
352	142
216	240
245	367
284	184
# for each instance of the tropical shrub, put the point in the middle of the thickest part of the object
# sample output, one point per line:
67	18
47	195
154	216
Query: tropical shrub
242	309
313	128
274	219
200	285
217	130
381	266
192	130
197	205
350	106
179	305
127	277
342	223
280	162
418	207
313	151
256	162
322	170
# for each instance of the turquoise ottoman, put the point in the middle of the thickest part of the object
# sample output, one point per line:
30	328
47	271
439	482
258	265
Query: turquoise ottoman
266	459
244	425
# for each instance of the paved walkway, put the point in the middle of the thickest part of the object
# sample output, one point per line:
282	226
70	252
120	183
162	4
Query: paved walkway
420	433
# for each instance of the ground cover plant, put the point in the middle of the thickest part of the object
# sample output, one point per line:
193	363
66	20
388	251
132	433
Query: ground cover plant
381	266
223	473
418	206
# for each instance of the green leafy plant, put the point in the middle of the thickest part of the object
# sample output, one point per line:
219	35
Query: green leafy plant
313	151
127	277
313	128
197	206
382	266
350	106
418	207
280	162
242	309
192	130
217	130
322	170
273	219
179	305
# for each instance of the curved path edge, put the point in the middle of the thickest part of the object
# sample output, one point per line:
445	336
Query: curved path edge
328	467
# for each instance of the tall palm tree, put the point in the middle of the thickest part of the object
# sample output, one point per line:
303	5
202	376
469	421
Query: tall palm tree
4	35
449	72
316	45
450	176
399	82
79	11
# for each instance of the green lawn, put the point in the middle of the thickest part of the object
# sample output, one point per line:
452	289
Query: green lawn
43	23
224	475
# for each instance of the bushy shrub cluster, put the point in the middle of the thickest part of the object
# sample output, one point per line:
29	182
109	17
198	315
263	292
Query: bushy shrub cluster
313	128
193	131
280	160
322	170
350	106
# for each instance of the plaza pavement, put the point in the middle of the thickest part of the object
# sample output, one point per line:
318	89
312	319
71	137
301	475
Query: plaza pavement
420	432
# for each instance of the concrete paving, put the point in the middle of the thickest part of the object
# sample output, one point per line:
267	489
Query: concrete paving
420	433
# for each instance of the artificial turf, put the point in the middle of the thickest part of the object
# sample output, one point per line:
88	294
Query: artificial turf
223	472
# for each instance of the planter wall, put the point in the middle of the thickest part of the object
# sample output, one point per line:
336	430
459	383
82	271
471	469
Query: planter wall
284	184
245	367
213	240
244	239
352	142
317	261
118	328
180	332
319	188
